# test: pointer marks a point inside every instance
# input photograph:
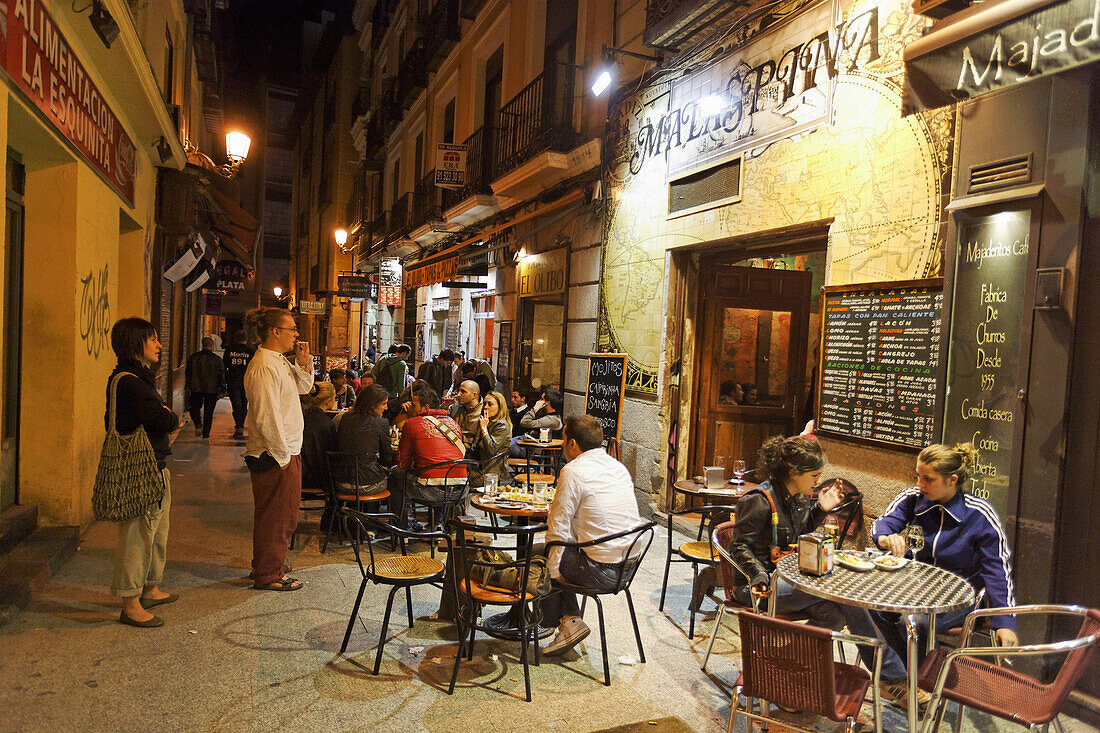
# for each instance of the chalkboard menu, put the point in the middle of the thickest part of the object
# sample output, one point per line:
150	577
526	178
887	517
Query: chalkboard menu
879	373
606	385
987	308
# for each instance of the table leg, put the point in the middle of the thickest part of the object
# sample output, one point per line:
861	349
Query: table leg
911	668
930	644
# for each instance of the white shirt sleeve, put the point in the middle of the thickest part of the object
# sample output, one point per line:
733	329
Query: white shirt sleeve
262	388
559	523
302	377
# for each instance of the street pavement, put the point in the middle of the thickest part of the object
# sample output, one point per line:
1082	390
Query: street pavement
234	659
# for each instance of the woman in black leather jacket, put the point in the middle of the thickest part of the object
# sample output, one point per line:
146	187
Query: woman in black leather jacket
793	467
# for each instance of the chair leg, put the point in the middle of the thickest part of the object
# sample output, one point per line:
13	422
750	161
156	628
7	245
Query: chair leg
354	615
634	621
735	707
1057	725
691	613
714	634
584	602
470	647
458	651
664	583
603	643
523	640
958	715
409	604
385	626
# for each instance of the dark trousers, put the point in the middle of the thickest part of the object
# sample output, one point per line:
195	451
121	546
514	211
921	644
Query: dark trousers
277	494
402	485
240	403
579	569
202	410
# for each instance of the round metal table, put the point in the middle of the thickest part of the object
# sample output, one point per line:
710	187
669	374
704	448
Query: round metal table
729	493
918	588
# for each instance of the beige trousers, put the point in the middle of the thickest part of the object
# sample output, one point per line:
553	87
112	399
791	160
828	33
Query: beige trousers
142	544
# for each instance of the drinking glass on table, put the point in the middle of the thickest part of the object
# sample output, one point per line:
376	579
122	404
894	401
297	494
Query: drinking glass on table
491	482
739	470
539	489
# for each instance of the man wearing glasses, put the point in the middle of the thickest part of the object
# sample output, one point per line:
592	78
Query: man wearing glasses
275	426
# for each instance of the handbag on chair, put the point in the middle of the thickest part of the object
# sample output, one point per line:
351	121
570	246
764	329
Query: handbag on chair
128	480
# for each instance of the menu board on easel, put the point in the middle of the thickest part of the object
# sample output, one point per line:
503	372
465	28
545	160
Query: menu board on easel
879	376
603	399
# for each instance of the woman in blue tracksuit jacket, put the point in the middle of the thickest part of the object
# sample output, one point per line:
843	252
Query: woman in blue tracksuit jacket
948	527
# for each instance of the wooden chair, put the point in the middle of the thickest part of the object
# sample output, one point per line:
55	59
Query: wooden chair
471	596
399	571
697	552
791	665
964	677
642	537
732	576
347	486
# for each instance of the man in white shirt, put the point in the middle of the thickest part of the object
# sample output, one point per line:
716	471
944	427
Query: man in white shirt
594	498
275	426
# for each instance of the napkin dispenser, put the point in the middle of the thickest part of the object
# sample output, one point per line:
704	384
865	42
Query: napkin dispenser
815	553
714	477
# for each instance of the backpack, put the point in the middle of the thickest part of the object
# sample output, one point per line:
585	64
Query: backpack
383	372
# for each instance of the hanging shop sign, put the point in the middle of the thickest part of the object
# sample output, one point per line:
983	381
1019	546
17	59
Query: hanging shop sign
419	276
504	352
765	91
231	276
542	273
353	287
188	259
212	304
389	281
450	165
942	68
476	263
44	67
311	307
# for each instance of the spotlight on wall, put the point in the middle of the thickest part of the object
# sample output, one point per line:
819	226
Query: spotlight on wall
105	26
164	150
609	67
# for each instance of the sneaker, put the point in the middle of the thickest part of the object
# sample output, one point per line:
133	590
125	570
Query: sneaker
238	433
198	432
898	692
571	632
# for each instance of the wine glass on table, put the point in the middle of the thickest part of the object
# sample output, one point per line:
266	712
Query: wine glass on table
739	470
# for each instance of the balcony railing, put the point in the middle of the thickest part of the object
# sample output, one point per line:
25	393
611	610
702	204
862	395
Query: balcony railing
412	77
427	202
444	27
538	119
399	217
479	167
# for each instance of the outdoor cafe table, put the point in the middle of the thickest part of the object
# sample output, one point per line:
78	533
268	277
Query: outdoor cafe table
551	446
918	588
504	622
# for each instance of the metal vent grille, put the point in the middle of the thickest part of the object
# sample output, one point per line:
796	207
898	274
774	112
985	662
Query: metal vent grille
698	189
1000	174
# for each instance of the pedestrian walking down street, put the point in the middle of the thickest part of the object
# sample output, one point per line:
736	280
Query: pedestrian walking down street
142	541
205	380
275	428
236	357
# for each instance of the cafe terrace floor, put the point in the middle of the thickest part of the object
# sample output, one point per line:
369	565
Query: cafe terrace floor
233	659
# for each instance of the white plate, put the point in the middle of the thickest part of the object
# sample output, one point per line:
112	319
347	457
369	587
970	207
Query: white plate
508	504
901	562
857	564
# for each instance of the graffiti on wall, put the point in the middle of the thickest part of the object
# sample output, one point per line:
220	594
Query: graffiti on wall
95	312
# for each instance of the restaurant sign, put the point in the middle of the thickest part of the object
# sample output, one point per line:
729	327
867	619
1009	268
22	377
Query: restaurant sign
44	67
311	307
763	92
432	273
542	273
353	287
1054	38
389	281
230	275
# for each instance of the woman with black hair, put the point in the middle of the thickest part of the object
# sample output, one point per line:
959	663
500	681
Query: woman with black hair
142	541
364	432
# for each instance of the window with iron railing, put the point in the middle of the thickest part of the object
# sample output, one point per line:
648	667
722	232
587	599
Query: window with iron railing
479	167
538	119
427	202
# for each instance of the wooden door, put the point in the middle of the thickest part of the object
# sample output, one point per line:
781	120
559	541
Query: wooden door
754	327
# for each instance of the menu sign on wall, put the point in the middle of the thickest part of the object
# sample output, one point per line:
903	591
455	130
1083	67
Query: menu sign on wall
45	68
879	369
389	281
603	399
986	313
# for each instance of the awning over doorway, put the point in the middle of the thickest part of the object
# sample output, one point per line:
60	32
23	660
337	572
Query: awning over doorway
235	227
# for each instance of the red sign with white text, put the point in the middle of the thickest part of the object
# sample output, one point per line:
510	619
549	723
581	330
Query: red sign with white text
40	62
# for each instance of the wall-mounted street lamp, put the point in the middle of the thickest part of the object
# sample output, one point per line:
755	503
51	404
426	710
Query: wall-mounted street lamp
104	23
277	291
609	67
341	237
236	150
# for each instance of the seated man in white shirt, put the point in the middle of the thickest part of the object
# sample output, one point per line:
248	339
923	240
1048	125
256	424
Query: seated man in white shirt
595	498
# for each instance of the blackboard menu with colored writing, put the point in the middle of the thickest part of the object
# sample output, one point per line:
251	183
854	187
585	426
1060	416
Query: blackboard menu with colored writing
606	386
880	371
987	308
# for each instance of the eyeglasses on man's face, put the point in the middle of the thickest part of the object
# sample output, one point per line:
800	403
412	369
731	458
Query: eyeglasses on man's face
292	327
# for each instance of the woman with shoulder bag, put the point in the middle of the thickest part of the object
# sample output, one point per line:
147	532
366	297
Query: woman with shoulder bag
142	539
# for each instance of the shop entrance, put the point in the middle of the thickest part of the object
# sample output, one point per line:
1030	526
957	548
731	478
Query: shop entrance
754	332
540	344
10	361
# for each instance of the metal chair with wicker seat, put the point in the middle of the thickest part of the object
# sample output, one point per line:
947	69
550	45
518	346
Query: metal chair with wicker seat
791	665
347	486
399	571
697	552
963	677
625	572
729	572
472	595
454	490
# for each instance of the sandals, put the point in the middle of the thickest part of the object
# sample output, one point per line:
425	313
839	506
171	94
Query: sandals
282	584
